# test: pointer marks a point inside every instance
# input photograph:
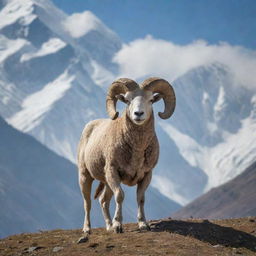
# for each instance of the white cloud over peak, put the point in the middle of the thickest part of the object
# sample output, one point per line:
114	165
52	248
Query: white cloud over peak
79	24
150	56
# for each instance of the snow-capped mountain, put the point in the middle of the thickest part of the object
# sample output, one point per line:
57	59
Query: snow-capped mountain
53	80
49	75
212	129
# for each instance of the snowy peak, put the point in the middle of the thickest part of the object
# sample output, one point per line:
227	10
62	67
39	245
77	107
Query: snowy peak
39	21
25	19
217	103
24	11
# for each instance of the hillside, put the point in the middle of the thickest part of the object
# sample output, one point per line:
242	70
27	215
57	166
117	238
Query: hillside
234	199
167	237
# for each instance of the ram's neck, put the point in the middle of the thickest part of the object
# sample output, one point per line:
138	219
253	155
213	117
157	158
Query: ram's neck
139	136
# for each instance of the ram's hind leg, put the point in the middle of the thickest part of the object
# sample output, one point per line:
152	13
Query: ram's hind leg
85	182
105	199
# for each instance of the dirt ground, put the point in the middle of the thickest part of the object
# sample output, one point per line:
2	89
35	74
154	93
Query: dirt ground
167	237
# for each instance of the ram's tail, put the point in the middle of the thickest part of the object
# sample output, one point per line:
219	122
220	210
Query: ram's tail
99	189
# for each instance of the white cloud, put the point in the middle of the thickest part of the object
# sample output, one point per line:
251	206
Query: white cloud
79	24
150	56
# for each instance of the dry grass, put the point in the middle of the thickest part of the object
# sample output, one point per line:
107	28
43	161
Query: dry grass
167	237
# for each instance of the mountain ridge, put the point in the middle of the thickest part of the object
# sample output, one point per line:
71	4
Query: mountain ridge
233	199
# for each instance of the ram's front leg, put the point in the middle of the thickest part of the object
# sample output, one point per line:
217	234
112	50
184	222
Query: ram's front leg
141	188
114	182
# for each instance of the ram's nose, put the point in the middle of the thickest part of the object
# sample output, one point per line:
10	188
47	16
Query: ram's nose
138	113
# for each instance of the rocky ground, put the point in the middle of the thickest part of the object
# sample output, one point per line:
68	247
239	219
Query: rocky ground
167	237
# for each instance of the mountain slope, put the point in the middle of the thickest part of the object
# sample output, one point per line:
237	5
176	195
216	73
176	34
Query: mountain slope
48	75
234	199
38	189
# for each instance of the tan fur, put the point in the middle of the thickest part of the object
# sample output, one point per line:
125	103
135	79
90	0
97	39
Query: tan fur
122	150
130	149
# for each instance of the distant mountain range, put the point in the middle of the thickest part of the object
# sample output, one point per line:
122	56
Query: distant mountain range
53	80
234	199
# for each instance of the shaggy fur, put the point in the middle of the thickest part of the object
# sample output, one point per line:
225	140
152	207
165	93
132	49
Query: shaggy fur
114	152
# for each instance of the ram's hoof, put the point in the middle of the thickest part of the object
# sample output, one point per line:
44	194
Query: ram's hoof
87	230
143	226
117	227
109	227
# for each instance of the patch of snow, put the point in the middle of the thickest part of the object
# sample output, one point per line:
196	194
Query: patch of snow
15	10
220	104
51	46
37	104
212	127
167	188
232	156
100	75
205	98
9	47
188	147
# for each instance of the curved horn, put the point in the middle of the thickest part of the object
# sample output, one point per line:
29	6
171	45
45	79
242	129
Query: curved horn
159	85
122	85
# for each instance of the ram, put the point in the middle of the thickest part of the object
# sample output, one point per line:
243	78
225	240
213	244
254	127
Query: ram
122	149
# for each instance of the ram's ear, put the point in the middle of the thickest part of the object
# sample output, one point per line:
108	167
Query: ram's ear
157	97
122	98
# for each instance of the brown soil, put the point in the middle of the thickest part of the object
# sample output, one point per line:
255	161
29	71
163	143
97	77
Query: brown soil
167	237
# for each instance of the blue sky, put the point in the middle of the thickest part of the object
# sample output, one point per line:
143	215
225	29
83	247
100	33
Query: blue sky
179	21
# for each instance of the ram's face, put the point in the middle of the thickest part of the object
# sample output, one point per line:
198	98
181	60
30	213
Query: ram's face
139	104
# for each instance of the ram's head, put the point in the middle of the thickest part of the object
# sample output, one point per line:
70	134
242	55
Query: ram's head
140	98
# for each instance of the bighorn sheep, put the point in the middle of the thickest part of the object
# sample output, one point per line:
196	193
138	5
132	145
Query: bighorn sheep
122	150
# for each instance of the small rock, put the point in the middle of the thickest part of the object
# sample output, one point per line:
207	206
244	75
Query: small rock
110	246
82	239
57	248
216	245
34	248
93	245
251	220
